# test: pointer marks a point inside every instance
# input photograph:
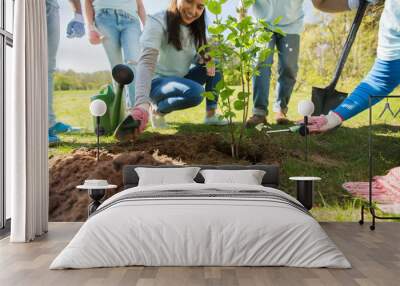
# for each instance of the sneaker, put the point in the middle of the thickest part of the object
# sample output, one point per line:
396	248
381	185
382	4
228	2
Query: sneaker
215	120
256	120
61	127
281	118
53	138
158	121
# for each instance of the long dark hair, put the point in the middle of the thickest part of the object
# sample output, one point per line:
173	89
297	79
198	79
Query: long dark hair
197	28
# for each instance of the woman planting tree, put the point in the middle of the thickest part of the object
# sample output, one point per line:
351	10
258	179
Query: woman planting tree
164	80
383	78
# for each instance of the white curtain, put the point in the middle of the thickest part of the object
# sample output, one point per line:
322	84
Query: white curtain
26	119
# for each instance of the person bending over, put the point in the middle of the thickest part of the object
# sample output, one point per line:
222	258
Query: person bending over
288	45
382	79
171	74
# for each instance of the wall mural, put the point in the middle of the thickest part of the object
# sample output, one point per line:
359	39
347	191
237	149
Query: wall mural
126	88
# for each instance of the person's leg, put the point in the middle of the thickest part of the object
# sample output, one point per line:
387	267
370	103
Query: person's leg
288	66
130	37
106	23
383	78
53	39
261	84
199	74
175	93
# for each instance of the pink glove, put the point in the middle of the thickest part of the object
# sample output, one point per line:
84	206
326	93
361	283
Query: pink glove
142	115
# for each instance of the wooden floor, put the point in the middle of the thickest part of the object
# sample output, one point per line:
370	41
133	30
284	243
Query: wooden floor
375	257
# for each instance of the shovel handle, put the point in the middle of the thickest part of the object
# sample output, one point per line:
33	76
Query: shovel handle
349	43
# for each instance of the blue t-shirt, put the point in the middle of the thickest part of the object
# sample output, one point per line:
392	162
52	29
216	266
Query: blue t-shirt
171	62
389	32
291	12
129	6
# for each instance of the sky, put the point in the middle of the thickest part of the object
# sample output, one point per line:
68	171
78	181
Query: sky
79	55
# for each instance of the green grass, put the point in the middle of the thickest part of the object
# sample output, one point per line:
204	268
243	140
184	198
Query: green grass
336	157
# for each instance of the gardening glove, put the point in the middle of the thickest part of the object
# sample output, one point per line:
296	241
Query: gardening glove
76	27
353	4
95	37
323	123
141	114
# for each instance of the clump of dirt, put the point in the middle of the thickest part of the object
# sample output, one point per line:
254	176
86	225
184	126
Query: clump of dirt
204	149
68	171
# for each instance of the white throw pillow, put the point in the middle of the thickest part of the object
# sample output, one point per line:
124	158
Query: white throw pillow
248	177
166	176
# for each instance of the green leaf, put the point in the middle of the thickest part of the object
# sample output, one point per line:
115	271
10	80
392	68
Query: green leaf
264	54
238	105
216	29
242	95
210	64
203	48
214	7
248	3
209	95
220	85
229	114
277	20
226	93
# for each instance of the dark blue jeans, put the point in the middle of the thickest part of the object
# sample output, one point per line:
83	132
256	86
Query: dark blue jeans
288	56
176	93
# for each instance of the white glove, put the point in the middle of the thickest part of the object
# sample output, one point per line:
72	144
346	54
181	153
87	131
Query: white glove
353	4
323	123
76	27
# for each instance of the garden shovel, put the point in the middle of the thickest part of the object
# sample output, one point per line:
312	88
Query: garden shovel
328	98
297	129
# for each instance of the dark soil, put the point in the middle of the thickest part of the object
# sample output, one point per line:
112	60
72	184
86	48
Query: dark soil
68	171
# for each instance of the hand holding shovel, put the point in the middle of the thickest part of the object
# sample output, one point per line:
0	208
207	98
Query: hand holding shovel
328	98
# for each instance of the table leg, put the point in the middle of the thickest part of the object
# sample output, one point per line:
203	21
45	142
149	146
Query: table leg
305	193
96	196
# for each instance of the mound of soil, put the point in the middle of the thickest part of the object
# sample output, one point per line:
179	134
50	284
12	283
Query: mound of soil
68	171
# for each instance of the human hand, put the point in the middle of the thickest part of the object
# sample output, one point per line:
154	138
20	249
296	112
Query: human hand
142	115
211	70
323	123
76	27
95	37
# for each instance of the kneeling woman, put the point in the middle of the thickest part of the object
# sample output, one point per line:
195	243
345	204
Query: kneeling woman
164	77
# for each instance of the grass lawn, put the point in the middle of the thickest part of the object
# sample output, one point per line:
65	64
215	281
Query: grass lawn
336	157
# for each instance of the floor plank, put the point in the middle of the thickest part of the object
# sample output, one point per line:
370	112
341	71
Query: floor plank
375	257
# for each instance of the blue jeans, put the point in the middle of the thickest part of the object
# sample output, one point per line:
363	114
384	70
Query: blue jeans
288	47
383	78
121	32
53	40
176	93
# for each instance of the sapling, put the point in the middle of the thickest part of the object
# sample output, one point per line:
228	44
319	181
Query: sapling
243	43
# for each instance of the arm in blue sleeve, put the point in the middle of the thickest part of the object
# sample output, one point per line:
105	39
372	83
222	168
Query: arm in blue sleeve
383	78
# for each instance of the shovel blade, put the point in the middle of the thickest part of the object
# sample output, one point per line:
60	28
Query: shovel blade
125	130
326	100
